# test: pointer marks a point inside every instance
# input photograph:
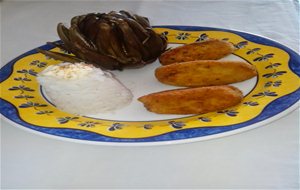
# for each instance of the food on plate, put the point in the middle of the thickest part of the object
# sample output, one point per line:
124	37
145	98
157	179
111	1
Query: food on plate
192	100
195	65
83	89
211	49
112	41
205	73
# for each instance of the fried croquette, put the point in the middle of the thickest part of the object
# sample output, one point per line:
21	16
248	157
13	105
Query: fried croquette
212	49
192	100
205	73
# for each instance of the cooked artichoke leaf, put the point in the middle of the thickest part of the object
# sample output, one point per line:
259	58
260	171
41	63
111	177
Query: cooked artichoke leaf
77	19
79	38
63	34
117	44
142	20
103	39
156	44
86	22
131	41
99	59
138	30
127	14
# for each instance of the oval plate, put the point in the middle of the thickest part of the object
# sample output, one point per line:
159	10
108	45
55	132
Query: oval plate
270	96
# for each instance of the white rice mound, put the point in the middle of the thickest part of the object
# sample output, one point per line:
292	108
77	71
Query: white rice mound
83	89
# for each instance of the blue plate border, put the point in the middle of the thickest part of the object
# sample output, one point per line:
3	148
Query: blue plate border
277	106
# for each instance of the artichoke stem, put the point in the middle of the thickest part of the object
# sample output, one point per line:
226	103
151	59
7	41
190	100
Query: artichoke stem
59	56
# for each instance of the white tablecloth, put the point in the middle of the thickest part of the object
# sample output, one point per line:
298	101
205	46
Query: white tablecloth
267	157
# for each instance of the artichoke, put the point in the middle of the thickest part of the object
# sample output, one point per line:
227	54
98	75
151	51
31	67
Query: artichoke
113	40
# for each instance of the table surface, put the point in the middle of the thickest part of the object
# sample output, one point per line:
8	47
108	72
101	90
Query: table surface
264	158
